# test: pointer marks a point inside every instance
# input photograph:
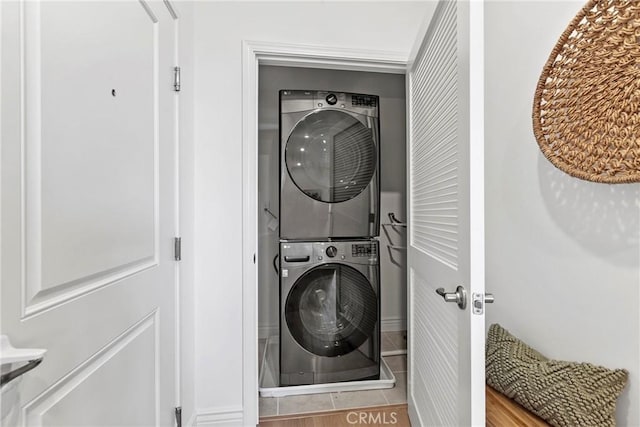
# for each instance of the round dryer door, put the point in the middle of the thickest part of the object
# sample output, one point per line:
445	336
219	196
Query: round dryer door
331	310
331	156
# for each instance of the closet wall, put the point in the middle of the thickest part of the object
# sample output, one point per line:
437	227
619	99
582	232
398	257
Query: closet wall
391	89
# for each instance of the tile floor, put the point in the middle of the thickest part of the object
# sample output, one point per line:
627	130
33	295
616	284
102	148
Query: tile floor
391	341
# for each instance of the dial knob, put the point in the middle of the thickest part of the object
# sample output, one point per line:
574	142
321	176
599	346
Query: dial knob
331	99
332	251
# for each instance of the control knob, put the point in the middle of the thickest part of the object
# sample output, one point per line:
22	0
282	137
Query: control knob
332	251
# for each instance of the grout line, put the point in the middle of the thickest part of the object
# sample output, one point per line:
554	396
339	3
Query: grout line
385	396
401	345
389	353
390	343
332	402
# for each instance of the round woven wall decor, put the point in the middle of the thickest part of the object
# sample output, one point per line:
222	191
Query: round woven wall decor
586	111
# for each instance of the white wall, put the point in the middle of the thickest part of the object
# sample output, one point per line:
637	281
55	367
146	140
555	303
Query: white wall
220	28
391	90
563	256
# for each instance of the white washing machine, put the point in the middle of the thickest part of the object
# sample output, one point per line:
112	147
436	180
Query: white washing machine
330	312
329	165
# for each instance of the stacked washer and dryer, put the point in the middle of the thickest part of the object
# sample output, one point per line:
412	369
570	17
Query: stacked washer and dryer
329	217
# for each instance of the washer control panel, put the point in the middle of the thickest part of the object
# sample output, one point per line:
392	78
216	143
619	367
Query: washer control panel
302	254
364	250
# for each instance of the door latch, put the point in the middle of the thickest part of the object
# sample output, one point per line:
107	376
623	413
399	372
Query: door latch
479	300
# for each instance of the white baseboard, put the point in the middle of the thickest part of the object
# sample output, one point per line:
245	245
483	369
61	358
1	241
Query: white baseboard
394	324
224	416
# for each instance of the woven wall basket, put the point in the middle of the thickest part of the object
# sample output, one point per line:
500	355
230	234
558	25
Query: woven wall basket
586	111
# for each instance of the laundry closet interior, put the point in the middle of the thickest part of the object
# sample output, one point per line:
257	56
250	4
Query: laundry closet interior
318	263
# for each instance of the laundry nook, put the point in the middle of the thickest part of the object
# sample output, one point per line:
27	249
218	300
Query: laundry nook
324	210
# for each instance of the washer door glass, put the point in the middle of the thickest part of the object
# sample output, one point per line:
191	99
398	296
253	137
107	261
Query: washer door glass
331	310
331	156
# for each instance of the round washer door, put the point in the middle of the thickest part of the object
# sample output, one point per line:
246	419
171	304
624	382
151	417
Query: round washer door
331	156
331	310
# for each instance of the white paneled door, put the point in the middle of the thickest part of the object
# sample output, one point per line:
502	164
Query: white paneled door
446	216
89	209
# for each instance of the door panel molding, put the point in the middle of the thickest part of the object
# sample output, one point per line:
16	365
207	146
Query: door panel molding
37	300
41	290
34	411
147	9
172	10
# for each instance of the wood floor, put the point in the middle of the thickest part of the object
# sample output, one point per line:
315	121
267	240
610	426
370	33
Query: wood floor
501	412
389	415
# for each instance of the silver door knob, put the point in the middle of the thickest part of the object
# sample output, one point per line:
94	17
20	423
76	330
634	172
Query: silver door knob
459	296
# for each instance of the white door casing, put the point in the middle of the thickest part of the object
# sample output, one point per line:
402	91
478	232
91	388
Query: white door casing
89	209
446	218
291	55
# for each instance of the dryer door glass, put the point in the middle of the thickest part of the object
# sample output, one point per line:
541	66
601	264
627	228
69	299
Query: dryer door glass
331	156
331	310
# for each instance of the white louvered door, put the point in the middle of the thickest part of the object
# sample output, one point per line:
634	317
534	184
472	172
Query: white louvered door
446	218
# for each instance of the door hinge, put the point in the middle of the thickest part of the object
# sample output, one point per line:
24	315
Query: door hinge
177	248
178	412
176	79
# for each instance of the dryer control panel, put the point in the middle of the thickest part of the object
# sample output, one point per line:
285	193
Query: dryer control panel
307	100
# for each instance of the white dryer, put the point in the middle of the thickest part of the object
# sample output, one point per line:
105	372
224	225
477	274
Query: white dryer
329	165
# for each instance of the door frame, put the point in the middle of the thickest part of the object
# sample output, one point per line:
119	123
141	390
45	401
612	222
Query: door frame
254	54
